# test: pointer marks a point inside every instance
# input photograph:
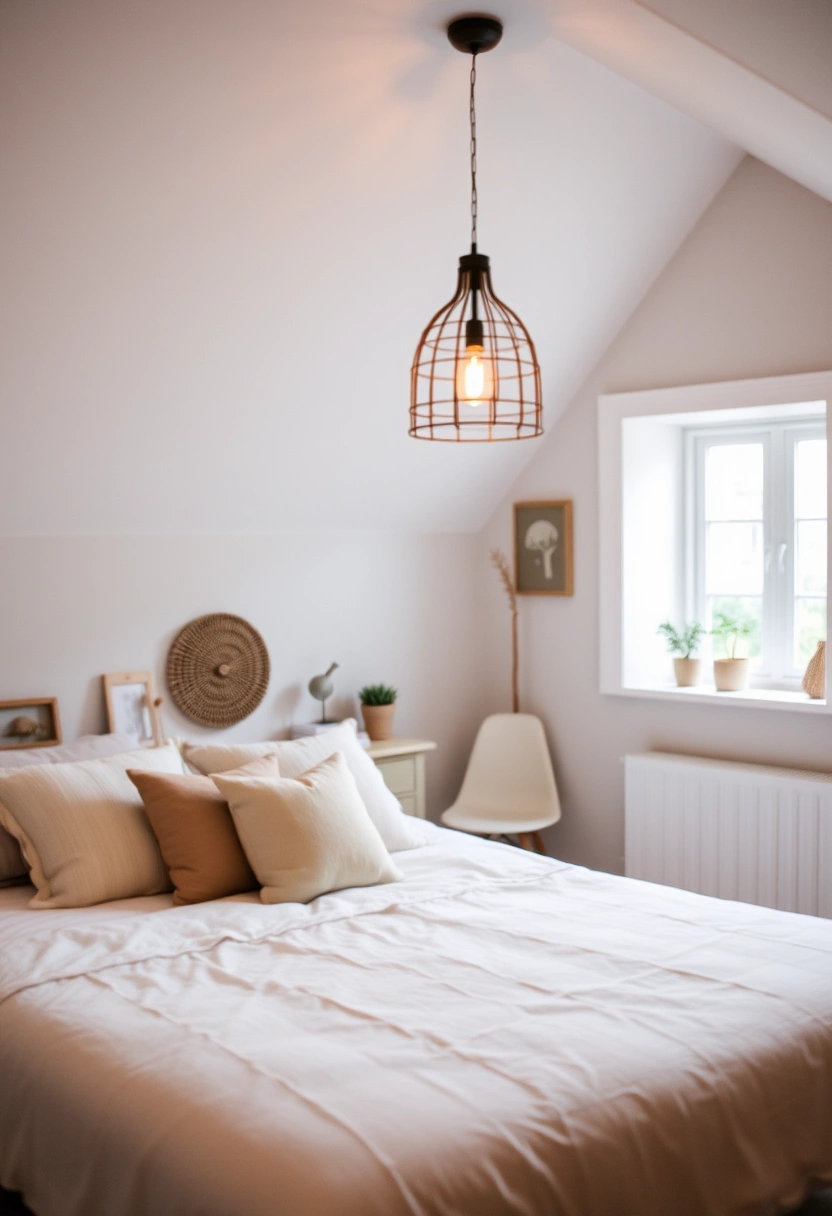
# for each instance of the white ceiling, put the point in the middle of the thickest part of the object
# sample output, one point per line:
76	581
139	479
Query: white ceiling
224	225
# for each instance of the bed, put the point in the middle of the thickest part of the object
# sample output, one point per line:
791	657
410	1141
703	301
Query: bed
499	1033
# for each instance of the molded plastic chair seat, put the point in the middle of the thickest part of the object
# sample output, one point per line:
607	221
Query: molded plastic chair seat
509	785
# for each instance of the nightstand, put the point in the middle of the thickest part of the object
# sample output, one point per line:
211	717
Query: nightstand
401	763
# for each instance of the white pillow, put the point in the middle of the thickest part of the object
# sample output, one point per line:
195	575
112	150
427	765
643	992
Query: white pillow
309	835
88	747
82	828
299	755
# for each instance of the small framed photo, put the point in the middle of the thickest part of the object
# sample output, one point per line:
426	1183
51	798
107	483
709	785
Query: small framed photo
130	710
543	548
31	723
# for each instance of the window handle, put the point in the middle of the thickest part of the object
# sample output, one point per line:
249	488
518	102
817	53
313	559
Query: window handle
782	550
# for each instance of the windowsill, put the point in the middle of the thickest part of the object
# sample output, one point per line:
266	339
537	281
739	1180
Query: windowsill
761	698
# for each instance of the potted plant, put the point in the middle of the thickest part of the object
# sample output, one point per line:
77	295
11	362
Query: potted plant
732	673
687	667
378	704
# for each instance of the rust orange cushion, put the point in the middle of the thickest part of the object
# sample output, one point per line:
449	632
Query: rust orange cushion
196	835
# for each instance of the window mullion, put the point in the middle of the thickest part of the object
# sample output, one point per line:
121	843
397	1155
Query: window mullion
773	600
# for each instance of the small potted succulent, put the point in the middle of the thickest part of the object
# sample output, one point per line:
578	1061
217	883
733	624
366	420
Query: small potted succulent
731	674
687	667
378	704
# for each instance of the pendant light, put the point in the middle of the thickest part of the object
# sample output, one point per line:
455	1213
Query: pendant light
475	375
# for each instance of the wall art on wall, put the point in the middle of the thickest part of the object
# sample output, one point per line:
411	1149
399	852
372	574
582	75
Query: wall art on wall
130	708
30	723
218	669
543	547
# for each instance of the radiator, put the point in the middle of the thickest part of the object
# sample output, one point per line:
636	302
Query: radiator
739	831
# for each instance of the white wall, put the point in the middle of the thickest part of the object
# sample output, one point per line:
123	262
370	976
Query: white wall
749	294
386	607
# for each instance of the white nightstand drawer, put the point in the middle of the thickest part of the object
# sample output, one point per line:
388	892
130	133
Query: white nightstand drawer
401	763
399	774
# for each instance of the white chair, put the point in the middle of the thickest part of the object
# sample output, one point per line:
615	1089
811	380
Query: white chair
509	786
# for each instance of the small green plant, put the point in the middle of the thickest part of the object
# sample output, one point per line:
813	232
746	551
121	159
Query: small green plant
377	694
686	643
729	629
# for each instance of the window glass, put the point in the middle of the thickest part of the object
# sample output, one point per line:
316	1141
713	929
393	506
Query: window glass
734	559
810	548
810	628
734	481
810	479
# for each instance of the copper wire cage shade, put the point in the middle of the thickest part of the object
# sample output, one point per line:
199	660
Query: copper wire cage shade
475	376
512	409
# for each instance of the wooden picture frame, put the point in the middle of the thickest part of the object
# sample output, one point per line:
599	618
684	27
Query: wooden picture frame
543	548
40	723
130	704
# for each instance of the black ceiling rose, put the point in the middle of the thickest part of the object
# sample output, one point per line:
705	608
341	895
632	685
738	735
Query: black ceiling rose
475	35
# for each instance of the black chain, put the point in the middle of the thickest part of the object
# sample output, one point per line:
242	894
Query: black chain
473	116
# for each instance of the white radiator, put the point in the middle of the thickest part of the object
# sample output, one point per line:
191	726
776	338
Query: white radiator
740	831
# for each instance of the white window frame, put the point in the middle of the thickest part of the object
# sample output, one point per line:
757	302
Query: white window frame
778	396
779	439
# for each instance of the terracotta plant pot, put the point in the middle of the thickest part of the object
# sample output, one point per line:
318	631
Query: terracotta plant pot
732	675
688	672
378	720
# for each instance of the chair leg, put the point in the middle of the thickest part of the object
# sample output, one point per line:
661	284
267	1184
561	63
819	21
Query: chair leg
525	841
538	843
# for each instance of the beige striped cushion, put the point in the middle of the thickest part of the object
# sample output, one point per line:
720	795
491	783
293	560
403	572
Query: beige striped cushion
83	830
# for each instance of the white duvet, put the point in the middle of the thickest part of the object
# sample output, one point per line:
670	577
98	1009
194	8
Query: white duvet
499	1033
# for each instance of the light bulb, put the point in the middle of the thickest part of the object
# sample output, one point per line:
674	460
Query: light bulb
474	376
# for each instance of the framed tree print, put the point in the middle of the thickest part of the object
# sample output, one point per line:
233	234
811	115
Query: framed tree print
543	547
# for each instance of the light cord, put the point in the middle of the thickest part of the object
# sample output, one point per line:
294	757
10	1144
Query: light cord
473	118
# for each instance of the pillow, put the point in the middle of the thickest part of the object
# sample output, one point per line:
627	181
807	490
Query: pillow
13	868
82	828
195	832
308	835
88	747
299	755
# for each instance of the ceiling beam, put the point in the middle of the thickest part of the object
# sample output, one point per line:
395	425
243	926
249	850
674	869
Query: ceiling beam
695	77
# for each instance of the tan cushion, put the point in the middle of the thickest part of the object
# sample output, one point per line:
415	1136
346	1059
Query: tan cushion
195	832
299	755
308	835
83	830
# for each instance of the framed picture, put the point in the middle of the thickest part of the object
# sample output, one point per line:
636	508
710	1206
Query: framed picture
543	548
130	709
31	723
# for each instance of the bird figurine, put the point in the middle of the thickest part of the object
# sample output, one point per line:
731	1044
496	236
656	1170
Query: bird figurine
321	687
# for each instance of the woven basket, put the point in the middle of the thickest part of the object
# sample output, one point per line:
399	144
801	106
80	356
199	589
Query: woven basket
218	669
814	681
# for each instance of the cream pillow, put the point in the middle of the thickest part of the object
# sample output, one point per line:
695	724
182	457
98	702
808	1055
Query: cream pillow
82	828
308	835
299	755
12	866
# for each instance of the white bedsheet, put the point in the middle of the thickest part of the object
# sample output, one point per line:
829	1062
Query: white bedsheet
499	1033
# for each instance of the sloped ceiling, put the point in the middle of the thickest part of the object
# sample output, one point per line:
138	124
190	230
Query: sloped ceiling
758	71
224	225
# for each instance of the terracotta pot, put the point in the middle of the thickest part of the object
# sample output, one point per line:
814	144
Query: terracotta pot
688	672
732	675
378	720
814	681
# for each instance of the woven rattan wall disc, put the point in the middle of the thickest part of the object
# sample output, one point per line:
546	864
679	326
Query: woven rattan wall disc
218	669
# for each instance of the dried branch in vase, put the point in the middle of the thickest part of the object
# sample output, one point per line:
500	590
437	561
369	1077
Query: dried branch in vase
500	563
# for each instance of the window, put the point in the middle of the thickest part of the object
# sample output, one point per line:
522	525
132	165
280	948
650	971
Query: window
757	538
714	498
